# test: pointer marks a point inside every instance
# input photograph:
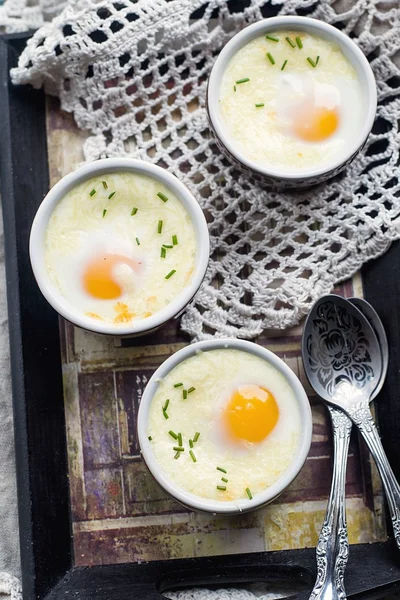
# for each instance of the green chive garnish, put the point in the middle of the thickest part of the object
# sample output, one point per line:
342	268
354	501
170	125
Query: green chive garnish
234	88
165	414
221	469
175	240
178	449
290	42
221	487
150	438
167	246
184	394
299	42
244	80
196	436
105	186
248	492
191	445
272	38
224	479
92	193
270	58
284	65
177	455
173	434
166	404
159	226
138	241
104	212
260	105
191	389
180	384
170	274
312	62
162	196
134	211
180	439
194	459
111	195
317	61
163	253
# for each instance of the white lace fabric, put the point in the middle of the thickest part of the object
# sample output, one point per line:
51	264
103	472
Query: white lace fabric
134	73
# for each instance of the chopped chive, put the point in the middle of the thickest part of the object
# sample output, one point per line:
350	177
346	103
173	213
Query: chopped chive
134	211
173	434
260	105
159	226
170	274
166	404
177	455
175	240
104	212
167	246
244	80
163	253
272	38
184	394
290	42
180	384
178	449
299	42
111	195
270	58
138	241
165	414
180	439
149	438
191	445
221	469
194	459
191	389
224	479
317	61
283	65
92	193
105	186
234	88
221	487
248	492
162	196
196	436
312	62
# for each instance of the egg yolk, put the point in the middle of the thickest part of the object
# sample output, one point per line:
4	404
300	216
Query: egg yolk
317	125
251	413
98	279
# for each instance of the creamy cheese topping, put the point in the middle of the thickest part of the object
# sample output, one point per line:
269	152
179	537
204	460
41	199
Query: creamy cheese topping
215	376
116	250
300	107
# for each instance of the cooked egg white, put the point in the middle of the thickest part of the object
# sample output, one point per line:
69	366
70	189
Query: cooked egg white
103	247
306	115
247	417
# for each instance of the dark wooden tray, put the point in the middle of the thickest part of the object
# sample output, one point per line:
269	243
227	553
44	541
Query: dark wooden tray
42	470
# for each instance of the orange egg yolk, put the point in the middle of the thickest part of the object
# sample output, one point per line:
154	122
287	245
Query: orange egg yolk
316	125
251	414
98	279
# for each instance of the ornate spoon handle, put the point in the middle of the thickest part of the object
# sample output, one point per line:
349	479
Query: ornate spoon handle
333	545
362	417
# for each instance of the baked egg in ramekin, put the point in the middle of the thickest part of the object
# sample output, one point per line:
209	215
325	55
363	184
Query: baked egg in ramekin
119	246
291	100
224	426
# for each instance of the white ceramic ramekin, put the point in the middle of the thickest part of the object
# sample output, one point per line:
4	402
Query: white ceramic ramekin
353	54
99	167
214	506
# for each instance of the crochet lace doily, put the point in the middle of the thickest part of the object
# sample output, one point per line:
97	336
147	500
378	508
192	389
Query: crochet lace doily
134	74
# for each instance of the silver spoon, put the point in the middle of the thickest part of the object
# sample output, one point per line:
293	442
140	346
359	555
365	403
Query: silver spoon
332	547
